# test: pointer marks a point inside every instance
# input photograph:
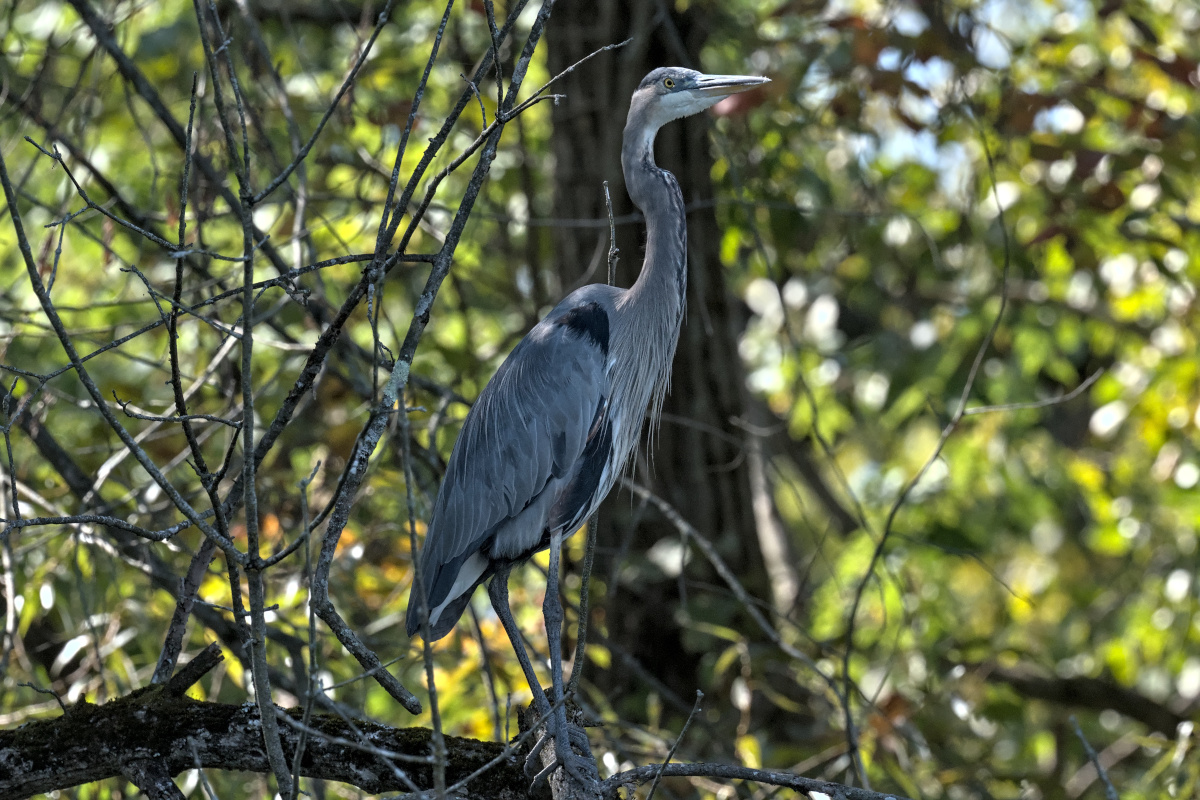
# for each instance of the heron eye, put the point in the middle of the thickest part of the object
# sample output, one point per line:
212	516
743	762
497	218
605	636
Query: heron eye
670	84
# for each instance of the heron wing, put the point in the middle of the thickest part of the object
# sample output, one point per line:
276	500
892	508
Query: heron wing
516	463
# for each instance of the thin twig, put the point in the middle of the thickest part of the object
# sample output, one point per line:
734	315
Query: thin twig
1050	401
640	775
613	252
390	218
182	418
902	497
189	587
97	519
57	697
313	662
1110	791
225	50
671	753
593	525
589	558
437	739
478	96
490	8
210	57
489	677
706	547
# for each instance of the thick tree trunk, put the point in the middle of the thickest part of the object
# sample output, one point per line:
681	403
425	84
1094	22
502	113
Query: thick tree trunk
697	461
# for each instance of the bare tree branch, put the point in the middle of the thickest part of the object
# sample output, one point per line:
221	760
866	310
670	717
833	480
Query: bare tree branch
91	743
640	775
1093	694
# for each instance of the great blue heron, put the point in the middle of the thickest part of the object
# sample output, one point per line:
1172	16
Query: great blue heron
554	428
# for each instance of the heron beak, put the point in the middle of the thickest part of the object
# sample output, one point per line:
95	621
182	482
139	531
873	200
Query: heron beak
718	86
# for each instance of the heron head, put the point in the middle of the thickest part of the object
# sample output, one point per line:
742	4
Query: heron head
669	93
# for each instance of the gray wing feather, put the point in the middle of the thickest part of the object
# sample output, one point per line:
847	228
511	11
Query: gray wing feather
526	430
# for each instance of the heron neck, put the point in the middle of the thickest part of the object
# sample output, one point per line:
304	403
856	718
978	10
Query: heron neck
656	192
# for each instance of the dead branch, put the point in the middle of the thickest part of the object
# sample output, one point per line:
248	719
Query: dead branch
154	734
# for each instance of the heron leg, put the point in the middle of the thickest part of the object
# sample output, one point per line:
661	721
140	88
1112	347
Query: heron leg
498	593
556	723
579	767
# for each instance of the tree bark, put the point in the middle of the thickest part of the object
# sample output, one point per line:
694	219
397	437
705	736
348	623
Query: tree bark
155	733
151	776
151	734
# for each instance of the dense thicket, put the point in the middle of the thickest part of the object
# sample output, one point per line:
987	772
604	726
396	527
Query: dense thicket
926	486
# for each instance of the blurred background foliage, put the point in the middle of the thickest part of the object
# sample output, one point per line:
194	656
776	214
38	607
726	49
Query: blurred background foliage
857	226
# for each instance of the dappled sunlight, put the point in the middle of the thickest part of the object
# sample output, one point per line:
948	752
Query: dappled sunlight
926	484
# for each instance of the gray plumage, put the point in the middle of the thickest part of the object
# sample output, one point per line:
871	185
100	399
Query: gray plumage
553	429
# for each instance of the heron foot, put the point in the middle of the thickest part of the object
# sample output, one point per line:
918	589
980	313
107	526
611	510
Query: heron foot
581	770
533	765
572	752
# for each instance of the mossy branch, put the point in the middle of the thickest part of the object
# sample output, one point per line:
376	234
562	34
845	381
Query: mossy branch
177	733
